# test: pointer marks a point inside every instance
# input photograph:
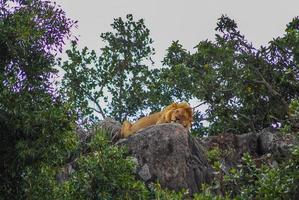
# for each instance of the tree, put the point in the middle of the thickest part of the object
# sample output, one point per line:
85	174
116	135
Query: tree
37	131
246	89
118	77
32	120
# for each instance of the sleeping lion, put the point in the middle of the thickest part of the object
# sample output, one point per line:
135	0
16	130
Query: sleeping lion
176	112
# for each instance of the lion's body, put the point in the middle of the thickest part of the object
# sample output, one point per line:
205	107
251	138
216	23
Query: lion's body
176	112
128	128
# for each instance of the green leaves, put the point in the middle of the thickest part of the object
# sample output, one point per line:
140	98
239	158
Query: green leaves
102	173
116	79
246	89
34	124
124	58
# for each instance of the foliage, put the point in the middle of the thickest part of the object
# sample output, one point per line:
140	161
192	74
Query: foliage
291	124
29	38
294	109
79	83
104	172
159	193
206	194
214	155
34	124
246	89
266	182
170	83
118	77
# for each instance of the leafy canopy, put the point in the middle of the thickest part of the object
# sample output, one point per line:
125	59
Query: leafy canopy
32	119
246	89
118	77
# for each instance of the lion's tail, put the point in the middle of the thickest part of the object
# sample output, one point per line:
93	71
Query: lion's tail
126	129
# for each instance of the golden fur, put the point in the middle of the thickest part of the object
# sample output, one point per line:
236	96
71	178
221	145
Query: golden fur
176	112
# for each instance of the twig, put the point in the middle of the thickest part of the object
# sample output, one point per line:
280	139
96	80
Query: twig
199	105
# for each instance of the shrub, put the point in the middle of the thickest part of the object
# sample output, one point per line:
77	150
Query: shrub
104	172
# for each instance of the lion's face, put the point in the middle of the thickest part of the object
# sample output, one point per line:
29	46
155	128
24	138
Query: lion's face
182	116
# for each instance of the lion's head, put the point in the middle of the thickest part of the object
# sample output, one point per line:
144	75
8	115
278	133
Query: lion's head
182	114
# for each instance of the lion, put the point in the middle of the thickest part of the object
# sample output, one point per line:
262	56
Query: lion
174	113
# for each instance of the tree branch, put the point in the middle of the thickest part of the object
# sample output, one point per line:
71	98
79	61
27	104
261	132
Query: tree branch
98	105
202	103
271	89
250	121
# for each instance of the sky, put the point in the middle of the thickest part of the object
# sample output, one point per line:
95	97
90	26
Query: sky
189	21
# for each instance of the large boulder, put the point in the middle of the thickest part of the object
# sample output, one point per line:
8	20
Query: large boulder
168	154
164	153
276	144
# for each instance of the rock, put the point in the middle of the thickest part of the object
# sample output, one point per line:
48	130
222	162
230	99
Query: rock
65	172
281	145
144	173
111	126
83	134
246	143
168	154
265	141
232	147
266	146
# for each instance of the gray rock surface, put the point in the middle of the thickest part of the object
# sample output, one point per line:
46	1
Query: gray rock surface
266	146
144	173
265	141
168	154
111	126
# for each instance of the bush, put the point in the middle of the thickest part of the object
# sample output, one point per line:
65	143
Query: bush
102	173
265	182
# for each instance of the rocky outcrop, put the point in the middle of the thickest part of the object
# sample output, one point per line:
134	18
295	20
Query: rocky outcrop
168	154
164	153
267	146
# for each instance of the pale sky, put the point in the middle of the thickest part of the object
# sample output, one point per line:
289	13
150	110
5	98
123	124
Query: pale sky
189	21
